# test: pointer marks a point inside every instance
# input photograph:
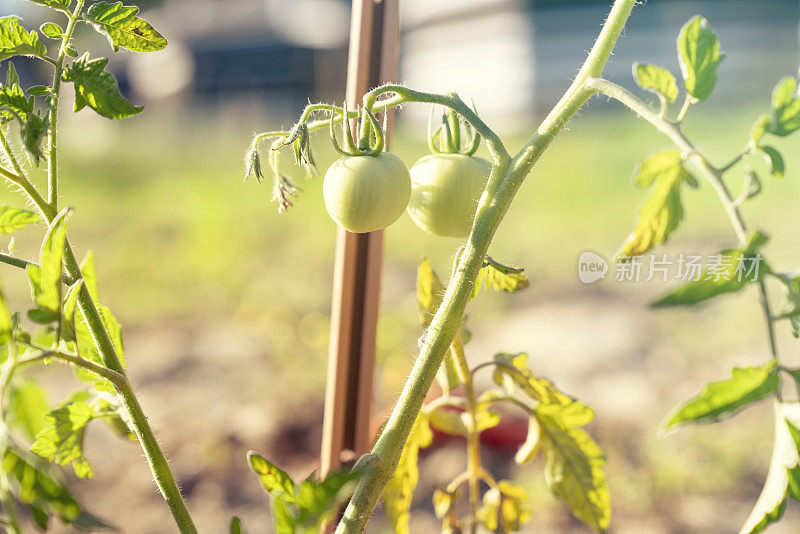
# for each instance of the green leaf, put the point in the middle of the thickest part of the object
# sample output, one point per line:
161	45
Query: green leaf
15	40
90	276
39	90
12	218
282	516
720	400
785	108
123	28
494	275
236	526
774	159
68	311
12	78
13	102
62	440
28	403
316	501
699	55
662	210
574	464
98	89
784	473
656	80
760	127
273	479
52	30
398	493
58	4
46	281
528	450
6	326
33	133
737	268
32	485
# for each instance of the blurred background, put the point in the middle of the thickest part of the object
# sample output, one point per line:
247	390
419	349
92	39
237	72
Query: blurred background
225	304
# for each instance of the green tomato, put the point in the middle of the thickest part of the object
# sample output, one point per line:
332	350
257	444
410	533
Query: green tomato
366	193
445	189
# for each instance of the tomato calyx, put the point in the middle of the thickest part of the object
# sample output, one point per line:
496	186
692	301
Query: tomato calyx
448	139
371	139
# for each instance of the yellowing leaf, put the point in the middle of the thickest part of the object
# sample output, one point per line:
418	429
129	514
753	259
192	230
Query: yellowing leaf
504	508
722	399
527	450
494	275
274	480
12	218
574	464
512	372
398	493
662	210
62	440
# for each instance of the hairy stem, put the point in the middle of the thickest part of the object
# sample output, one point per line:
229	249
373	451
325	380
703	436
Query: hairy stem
504	181
52	147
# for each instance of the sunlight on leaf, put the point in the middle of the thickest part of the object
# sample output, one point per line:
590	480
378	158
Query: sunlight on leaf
699	55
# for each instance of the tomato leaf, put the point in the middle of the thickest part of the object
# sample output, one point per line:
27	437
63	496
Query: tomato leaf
737	267
494	275
15	40
722	399
574	464
272	478
785	108
6	325
656	80
45	281
98	89
123	28
503	508
783	477
529	448
56	4
512	372
28	403
52	30
699	55
12	218
777	167
662	210
62	440
236	526
398	493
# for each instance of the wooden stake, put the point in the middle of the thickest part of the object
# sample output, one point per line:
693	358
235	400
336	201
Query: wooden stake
372	60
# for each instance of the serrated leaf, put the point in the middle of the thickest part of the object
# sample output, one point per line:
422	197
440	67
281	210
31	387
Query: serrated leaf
494	275
777	167
699	56
62	440
574	465
399	492
15	40
743	266
784	474
274	480
13	102
123	28
656	80
34	131
98	89
12	219
28	403
785	108
52	30
512	372
722	399
662	210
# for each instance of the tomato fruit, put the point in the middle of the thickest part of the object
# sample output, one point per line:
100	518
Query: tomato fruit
445	189
366	193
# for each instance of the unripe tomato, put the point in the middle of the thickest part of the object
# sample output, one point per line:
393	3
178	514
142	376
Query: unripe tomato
366	193
445	189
